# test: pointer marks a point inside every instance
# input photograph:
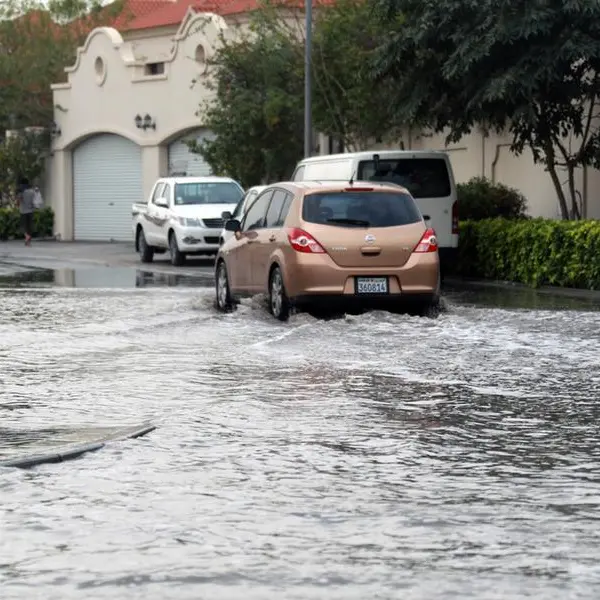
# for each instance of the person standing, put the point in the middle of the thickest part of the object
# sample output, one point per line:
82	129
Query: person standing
26	203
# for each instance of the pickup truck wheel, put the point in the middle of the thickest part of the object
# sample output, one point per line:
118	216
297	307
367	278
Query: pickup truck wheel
146	252
177	257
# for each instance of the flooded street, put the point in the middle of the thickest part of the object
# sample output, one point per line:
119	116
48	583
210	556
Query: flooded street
376	456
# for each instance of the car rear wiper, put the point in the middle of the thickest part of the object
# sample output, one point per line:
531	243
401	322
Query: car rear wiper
357	222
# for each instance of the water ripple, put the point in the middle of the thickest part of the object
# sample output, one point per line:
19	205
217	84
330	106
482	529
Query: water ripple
377	456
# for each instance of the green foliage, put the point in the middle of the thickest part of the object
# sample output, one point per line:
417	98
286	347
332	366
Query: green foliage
10	223
479	198
528	68
535	252
347	105
21	156
257	112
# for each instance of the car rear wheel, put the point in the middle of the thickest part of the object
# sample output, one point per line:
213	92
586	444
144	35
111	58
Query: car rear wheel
146	252
177	257
279	303
224	301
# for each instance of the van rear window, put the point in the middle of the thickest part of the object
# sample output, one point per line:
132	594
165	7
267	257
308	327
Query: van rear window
360	209
422	177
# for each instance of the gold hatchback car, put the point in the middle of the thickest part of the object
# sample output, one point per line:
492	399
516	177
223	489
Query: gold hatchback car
337	245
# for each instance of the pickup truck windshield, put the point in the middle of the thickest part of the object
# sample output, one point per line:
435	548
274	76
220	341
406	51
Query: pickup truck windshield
207	193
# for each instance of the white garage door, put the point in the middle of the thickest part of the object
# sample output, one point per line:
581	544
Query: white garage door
182	161
107	180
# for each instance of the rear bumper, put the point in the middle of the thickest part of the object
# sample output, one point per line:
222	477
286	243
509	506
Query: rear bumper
317	275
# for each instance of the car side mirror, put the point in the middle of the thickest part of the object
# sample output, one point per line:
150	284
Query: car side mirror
232	225
226	215
162	202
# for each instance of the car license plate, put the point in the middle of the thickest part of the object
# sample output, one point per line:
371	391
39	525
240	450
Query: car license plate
371	285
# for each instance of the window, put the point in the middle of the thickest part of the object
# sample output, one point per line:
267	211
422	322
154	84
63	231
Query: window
329	170
157	68
244	203
422	177
255	217
298	174
360	209
157	191
277	202
166	193
207	193
285	209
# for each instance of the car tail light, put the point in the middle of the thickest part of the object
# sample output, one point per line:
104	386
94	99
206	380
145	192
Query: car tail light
304	242
428	242
358	189
455	217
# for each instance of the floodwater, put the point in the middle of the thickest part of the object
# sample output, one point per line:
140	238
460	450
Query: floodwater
375	456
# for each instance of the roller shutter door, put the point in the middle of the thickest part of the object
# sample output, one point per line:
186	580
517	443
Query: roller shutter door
107	180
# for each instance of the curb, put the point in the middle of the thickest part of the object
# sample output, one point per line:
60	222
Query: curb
75	450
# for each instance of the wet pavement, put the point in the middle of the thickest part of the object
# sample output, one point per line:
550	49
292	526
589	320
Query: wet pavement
374	456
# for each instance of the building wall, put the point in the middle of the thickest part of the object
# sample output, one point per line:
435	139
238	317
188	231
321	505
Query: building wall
109	85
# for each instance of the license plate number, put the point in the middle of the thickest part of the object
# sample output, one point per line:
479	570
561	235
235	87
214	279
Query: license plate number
371	285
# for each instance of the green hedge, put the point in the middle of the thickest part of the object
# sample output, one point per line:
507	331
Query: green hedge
479	198
10	223
535	252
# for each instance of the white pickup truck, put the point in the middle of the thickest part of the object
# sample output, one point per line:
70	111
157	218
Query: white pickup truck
183	216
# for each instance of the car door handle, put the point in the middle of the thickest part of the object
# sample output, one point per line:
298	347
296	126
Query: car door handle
272	238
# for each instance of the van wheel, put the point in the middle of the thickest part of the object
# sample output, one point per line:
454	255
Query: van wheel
279	303
177	257
146	252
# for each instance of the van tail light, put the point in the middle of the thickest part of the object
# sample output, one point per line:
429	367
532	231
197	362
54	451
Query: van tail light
455	217
301	241
428	242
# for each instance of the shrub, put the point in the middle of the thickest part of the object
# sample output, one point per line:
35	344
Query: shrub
10	223
480	198
534	252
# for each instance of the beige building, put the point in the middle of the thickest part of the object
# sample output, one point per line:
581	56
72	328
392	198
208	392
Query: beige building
131	100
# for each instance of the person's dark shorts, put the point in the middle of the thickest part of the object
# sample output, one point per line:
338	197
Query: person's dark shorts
27	223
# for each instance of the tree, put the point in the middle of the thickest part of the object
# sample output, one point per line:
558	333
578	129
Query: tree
37	41
529	68
347	103
22	155
256	113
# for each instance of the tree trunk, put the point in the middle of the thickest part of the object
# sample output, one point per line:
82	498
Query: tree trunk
551	166
575	212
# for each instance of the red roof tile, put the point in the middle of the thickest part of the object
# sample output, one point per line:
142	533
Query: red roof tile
173	12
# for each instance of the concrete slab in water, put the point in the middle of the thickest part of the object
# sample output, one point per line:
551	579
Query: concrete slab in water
47	448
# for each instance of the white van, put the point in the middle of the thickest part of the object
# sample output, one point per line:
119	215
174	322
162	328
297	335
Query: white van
427	175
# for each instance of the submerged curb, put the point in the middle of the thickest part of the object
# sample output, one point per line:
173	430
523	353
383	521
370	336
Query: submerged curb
70	452
512	286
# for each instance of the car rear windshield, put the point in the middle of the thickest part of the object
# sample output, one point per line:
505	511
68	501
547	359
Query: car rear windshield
422	177
360	209
207	193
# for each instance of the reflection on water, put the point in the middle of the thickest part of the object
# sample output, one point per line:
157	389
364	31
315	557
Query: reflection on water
374	456
503	296
100	278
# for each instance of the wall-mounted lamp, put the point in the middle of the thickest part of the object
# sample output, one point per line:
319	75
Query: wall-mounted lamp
146	122
54	129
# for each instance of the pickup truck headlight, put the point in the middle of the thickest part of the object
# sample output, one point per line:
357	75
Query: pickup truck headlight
186	222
